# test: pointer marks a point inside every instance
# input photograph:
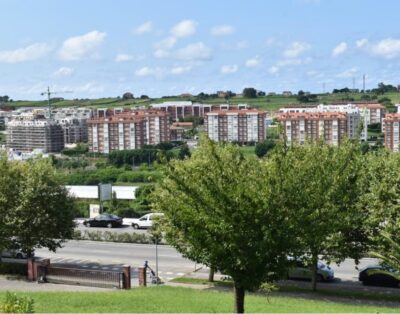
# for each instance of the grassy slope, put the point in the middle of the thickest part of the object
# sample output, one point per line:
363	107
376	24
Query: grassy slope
265	103
181	300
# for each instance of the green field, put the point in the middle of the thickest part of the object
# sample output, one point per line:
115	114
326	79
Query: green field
184	300
272	103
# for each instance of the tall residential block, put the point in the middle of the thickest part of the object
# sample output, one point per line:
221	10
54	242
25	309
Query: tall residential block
243	126
25	134
127	130
299	127
392	131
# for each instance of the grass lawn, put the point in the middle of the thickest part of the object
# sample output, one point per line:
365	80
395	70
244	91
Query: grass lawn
248	150
182	300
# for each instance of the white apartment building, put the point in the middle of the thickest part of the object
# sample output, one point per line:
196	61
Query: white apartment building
243	126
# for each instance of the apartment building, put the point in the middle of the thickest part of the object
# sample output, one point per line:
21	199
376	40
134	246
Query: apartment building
182	109
73	123
299	127
127	130
28	132
243	126
392	131
373	112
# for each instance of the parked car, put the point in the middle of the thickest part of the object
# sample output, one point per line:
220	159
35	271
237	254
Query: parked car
145	221
379	275
302	271
104	220
14	253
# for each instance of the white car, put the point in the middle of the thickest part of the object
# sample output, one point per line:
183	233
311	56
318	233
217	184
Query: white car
143	222
14	254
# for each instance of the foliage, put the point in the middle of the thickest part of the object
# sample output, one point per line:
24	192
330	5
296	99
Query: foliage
249	92
184	152
127	96
381	201
384	88
303	97
109	236
322	188
264	147
16	304
212	219
39	212
80	149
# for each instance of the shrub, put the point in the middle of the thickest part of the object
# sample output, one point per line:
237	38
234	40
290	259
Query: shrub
16	304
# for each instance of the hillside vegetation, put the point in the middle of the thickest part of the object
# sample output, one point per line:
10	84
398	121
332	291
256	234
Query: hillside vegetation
271	103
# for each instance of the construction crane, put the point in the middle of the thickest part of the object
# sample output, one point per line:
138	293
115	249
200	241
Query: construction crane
49	93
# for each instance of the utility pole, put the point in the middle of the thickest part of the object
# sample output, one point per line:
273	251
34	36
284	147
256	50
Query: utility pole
48	93
363	83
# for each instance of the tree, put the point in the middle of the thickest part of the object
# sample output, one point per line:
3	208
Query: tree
222	210
40	212
144	97
264	147
249	92
184	152
127	96
391	257
324	191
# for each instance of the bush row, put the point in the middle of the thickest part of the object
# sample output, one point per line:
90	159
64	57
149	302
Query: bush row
13	269
109	236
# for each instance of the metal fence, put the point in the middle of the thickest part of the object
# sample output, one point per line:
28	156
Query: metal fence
82	277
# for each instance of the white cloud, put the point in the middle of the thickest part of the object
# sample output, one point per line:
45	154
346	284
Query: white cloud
90	87
361	43
295	49
63	72
122	57
160	53
289	62
196	51
180	70
184	28
348	73
339	49
29	53
222	30
159	72
253	62
273	70
388	48
227	69
80	47
166	43
146	27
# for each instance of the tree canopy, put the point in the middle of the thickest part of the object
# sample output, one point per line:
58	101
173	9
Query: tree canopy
37	210
221	209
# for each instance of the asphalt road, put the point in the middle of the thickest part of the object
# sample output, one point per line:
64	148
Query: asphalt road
170	262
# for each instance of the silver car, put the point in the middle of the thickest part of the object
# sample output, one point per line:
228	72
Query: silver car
302	271
14	254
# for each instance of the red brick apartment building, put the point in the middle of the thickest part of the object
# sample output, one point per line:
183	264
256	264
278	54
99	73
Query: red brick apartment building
310	126
234	125
127	130
392	137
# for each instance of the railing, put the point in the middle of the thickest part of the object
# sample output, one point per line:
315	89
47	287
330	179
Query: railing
83	277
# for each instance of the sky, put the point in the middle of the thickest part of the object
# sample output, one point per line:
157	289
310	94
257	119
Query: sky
103	48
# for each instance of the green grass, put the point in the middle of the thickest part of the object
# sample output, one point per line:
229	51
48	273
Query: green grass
182	300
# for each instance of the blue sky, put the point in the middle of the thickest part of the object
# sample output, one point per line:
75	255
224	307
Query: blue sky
100	48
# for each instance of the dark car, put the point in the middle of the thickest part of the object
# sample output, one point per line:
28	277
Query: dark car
104	220
379	275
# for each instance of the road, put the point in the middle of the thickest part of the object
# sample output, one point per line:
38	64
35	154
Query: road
171	263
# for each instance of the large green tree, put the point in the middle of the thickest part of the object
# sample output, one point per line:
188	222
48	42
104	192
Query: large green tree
39	212
223	209
323	188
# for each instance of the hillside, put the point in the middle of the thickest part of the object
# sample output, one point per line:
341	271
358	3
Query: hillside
271	103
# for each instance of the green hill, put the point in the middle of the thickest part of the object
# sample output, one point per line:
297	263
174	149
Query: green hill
271	103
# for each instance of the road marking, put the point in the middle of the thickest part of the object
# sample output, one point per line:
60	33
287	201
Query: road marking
169	273
180	274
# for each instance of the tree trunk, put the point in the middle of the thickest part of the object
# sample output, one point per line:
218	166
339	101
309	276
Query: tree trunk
211	275
314	271
239	299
